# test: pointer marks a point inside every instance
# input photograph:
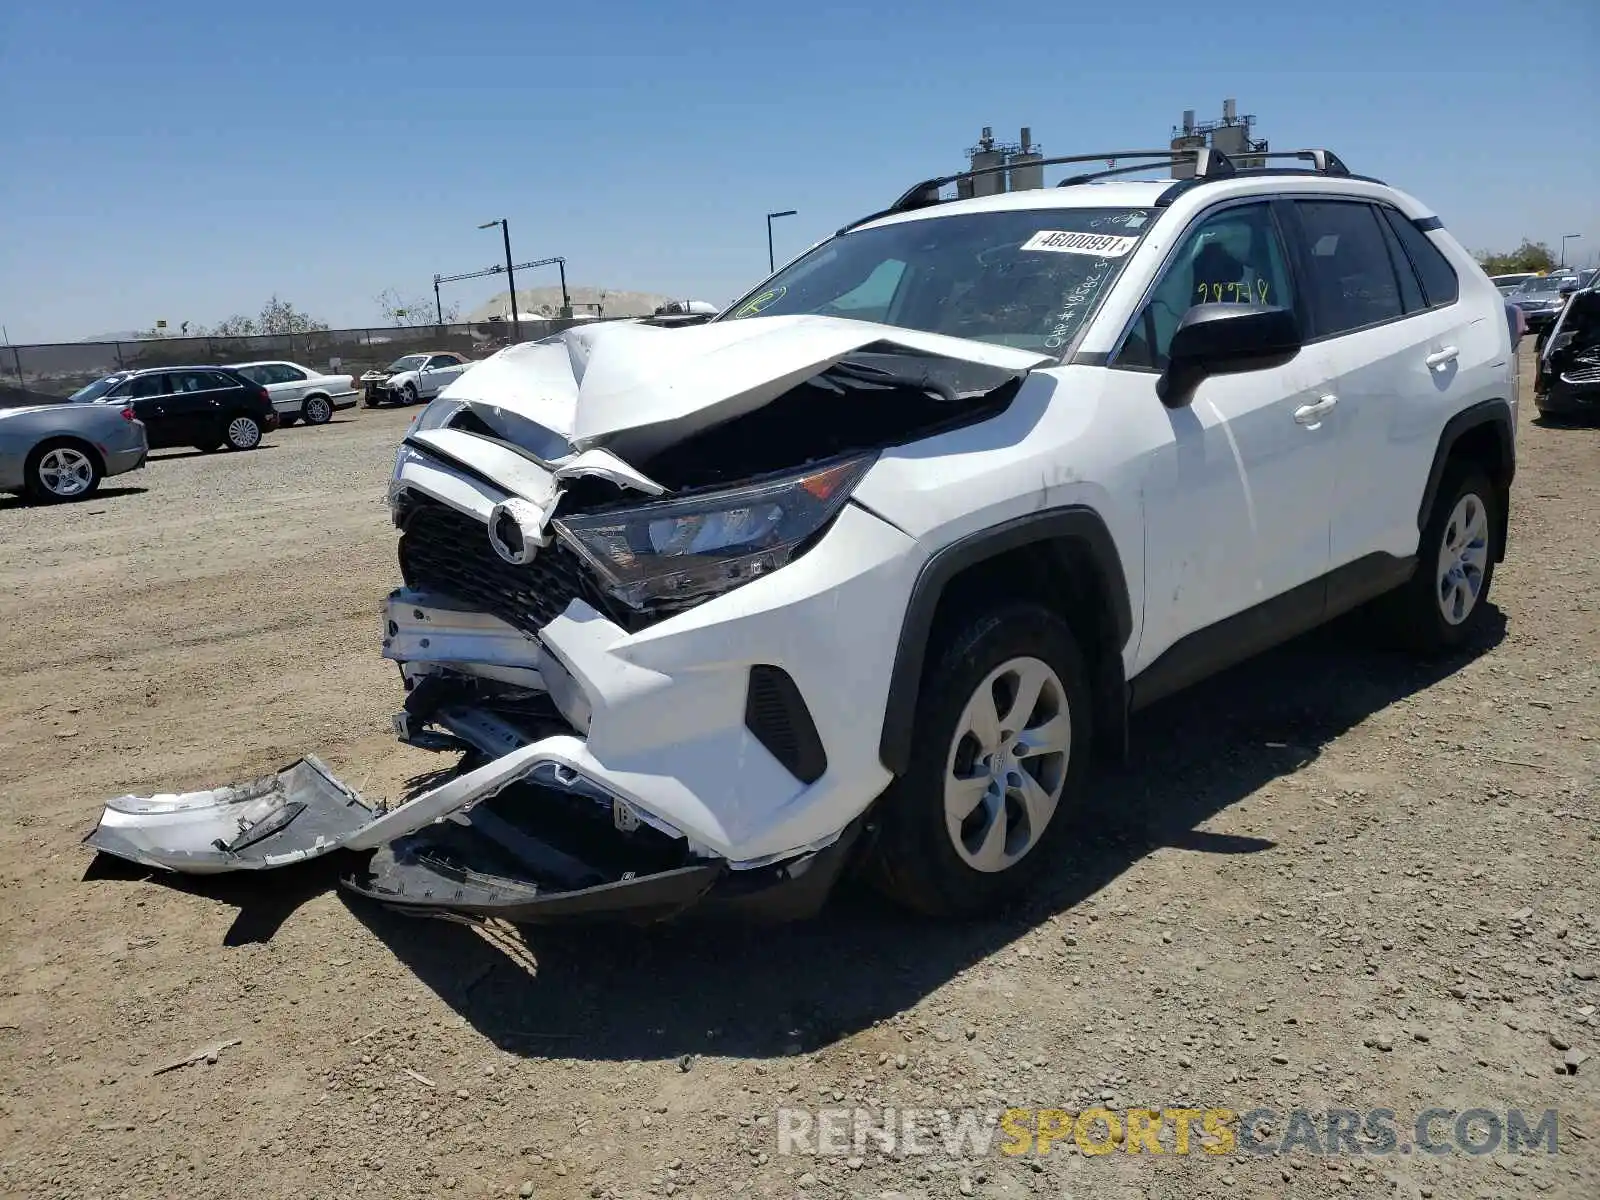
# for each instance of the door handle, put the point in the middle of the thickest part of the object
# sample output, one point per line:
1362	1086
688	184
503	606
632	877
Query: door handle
1312	414
1442	358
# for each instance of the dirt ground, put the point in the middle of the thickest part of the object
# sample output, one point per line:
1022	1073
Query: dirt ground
1332	879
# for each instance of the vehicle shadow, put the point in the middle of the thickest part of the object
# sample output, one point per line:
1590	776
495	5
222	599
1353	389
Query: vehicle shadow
175	455
703	988
105	493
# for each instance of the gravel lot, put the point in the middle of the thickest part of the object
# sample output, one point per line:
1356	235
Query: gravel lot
1334	879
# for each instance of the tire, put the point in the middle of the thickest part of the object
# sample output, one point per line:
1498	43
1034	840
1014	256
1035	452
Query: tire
60	471
408	395
243	432
925	857
317	410
1442	607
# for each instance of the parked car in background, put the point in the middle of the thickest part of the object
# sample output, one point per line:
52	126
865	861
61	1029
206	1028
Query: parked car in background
203	407
1510	283
1567	381
55	452
414	377
299	393
1540	300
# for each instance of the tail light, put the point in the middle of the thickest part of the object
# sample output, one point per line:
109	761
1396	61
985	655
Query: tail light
129	415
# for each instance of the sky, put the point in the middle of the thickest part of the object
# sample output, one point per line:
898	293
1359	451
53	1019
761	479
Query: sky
182	161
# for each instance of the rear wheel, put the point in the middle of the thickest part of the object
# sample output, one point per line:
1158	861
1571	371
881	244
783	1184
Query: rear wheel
243	433
1001	748
63	470
317	410
1444	605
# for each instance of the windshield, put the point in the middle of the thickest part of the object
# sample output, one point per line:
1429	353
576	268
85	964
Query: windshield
95	390
1029	278
411	362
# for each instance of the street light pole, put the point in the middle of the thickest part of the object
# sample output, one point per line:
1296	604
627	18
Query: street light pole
438	304
772	264
1565	238
511	278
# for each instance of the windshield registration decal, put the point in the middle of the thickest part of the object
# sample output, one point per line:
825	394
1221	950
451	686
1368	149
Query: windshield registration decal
1100	245
766	300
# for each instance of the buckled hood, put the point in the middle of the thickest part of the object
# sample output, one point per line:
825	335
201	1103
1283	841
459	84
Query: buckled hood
636	389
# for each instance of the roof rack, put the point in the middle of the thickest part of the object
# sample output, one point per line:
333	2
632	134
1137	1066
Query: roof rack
1206	160
1323	162
1210	164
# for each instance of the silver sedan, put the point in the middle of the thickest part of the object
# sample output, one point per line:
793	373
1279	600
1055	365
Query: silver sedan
55	452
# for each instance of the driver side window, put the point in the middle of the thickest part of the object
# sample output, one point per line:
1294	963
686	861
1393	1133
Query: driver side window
1234	256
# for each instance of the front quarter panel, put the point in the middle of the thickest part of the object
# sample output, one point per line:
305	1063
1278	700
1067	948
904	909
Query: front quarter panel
1055	447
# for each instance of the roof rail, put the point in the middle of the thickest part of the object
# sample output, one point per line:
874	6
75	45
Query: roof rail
1211	163
1323	162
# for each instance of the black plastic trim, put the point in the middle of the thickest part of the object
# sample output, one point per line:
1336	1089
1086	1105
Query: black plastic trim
1076	521
1427	224
1207	651
1485	412
776	713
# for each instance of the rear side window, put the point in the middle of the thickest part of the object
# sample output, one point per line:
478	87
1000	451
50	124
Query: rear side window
1352	282
1411	298
1439	282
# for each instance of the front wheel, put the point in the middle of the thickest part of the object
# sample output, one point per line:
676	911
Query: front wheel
1001	748
408	395
243	433
1444	605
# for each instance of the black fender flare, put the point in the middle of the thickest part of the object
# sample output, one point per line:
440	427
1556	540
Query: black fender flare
1494	413
1076	522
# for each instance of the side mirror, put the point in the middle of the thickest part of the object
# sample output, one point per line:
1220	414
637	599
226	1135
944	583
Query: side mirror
1214	339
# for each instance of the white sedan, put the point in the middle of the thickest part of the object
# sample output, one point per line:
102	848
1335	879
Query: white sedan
299	393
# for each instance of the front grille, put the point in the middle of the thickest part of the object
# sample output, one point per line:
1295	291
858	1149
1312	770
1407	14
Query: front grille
447	551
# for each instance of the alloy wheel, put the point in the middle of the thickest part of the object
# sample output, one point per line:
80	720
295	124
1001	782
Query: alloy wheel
66	472
243	433
1463	559
1007	764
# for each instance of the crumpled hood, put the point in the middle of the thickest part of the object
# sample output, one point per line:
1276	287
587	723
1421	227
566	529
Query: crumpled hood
636	389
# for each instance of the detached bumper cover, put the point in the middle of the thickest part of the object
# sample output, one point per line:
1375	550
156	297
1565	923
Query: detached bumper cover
486	859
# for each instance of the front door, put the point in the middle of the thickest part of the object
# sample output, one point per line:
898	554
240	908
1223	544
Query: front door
1236	499
441	371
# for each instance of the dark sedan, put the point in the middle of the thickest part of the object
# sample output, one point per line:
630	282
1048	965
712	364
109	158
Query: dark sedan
203	407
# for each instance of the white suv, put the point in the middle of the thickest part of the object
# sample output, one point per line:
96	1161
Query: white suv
866	567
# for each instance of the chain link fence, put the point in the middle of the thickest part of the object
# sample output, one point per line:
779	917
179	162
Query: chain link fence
44	374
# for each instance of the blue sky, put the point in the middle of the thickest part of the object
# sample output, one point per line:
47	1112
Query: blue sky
185	161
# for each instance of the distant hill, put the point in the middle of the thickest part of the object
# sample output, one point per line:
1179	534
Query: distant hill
546	302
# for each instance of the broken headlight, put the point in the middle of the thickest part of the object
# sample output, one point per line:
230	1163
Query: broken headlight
679	551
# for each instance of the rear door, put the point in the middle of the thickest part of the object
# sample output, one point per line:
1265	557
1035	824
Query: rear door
193	407
1385	308
288	387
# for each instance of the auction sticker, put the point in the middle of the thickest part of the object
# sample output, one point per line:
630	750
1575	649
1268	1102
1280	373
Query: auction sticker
1100	245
